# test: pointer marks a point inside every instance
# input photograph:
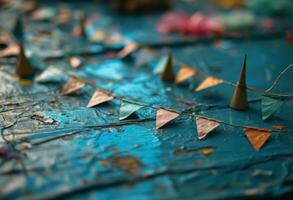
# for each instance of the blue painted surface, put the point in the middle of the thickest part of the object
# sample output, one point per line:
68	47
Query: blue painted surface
66	159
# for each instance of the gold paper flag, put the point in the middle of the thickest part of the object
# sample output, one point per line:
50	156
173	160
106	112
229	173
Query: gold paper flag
208	82
99	97
168	73
239	98
185	73
128	49
257	138
23	65
205	126
74	84
164	116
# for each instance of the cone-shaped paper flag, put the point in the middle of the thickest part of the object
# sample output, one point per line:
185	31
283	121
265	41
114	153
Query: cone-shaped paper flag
168	73
164	116
208	82
269	106
239	99
99	97
257	137
126	109
82	24
74	84
23	66
205	126
18	28
185	73
128	49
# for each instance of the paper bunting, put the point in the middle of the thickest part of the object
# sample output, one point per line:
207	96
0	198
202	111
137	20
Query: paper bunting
269	106
168	73
164	116
257	137
23	65
161	65
208	82
205	126
74	62
184	73
128	49
74	84
99	97
126	109
239	98
144	56
51	74
11	50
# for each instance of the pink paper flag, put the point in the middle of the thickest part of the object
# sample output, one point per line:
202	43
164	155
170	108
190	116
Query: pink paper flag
164	116
205	126
99	97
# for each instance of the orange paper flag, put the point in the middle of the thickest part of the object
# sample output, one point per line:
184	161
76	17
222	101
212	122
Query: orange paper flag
208	82
184	73
128	49
205	126
164	116
99	97
257	137
74	84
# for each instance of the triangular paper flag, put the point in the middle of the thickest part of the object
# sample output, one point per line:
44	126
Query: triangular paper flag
269	106
208	82
164	116
126	109
74	84
185	73
23	65
205	126
168	73
257	138
128	49
51	74
144	56
99	97
161	65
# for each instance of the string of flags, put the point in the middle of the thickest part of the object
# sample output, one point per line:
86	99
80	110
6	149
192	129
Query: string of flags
257	137
270	102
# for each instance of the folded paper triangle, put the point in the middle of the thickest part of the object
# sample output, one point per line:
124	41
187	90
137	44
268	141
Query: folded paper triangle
257	137
99	97
205	126
164	116
74	84
208	82
126	109
269	106
184	73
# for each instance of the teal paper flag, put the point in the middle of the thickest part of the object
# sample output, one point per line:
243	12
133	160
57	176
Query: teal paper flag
161	65
269	106
144	56
126	109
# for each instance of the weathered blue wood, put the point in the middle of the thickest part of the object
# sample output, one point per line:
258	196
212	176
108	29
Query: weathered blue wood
67	159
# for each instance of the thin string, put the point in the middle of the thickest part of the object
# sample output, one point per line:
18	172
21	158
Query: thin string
187	113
